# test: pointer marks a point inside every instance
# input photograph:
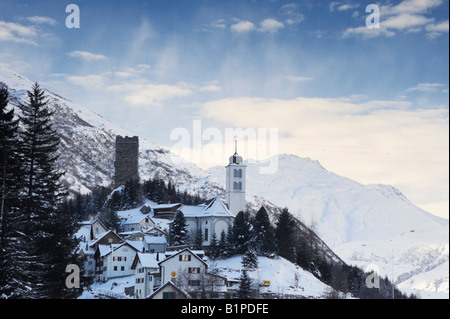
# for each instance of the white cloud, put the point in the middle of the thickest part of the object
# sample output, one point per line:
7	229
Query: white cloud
150	94
270	25
14	32
242	26
435	30
294	78
427	87
92	81
405	21
42	20
335	5
87	56
367	32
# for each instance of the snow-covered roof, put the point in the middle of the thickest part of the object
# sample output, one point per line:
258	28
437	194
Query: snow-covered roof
150	260
215	208
166	206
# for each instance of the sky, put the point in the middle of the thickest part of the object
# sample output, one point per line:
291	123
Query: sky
319	79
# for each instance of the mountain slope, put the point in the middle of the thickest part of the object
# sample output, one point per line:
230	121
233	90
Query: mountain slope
372	226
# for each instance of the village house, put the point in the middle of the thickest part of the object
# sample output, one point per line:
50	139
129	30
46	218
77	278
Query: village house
114	260
188	271
147	275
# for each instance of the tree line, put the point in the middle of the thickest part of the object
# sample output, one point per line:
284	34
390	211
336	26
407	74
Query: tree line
37	239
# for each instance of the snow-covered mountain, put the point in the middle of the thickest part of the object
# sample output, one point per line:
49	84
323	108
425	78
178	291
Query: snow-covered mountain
366	225
373	226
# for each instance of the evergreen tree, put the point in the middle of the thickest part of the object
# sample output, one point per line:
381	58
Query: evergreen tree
264	233
244	288
229	248
284	234
222	246
50	246
12	257
250	259
213	249
198	242
242	232
178	230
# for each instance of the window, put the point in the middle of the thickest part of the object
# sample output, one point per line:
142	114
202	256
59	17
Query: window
235	185
194	283
169	295
115	268
194	270
239	186
184	258
122	268
235	173
206	234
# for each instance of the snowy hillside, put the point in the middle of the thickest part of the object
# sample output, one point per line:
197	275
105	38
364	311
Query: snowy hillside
372	226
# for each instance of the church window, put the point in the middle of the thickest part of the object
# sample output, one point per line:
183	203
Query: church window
239	186
240	173
235	173
235	185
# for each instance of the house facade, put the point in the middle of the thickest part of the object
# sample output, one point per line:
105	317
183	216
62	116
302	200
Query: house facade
114	260
208	219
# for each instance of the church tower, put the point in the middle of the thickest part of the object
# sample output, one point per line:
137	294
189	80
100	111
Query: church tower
126	164
235	183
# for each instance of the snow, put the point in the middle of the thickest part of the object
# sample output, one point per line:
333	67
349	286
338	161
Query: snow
279	271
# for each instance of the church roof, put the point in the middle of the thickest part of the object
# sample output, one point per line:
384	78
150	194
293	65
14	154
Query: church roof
214	208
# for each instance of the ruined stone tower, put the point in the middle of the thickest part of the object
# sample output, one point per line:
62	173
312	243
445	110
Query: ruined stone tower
126	164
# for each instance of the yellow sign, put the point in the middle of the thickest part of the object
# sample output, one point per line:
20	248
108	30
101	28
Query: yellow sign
173	273
266	282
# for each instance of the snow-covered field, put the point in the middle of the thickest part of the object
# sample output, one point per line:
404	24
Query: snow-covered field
279	275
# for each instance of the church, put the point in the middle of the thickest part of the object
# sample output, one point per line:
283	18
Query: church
215	216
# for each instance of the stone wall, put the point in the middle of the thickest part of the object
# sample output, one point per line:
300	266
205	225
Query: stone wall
126	164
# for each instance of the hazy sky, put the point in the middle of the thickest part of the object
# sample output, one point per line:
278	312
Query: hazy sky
370	104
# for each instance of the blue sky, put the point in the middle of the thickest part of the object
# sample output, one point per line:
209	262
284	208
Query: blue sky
369	104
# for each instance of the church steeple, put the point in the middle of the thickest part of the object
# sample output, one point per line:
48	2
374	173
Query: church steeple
235	183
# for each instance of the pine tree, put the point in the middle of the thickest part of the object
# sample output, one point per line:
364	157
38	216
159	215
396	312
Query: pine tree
213	249
284	234
242	232
178	230
222	246
244	288
264	233
11	237
250	259
51	246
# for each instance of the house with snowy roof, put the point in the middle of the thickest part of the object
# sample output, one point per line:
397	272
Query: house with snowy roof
149	242
188	271
210	218
114	260
147	274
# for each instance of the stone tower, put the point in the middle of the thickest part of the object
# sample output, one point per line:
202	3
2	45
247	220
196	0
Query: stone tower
235	183
126	164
